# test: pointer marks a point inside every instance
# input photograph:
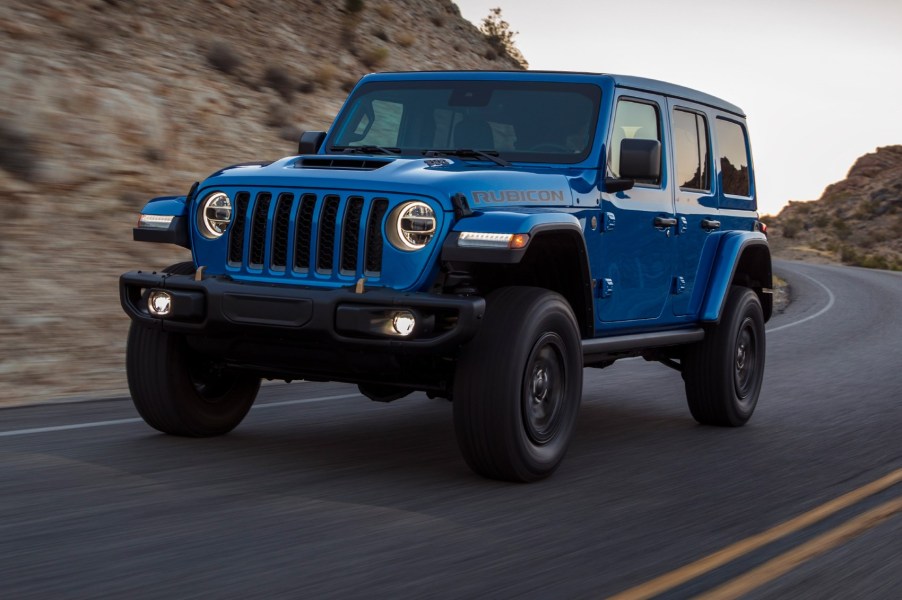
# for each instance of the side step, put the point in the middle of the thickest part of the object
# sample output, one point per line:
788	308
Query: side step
620	344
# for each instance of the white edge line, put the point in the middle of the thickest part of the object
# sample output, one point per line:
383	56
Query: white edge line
830	301
16	432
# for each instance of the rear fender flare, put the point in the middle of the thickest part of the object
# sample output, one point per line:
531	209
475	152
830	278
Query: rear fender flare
743	258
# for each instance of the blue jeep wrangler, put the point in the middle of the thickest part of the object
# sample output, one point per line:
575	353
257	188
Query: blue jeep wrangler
480	236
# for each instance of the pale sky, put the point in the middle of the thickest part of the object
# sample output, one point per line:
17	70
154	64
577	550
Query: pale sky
820	80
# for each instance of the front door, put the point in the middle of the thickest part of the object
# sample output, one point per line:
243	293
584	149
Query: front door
639	225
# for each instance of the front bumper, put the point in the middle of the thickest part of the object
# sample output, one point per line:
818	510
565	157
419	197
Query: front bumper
220	307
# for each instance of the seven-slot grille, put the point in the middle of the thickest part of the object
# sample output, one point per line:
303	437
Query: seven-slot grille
306	233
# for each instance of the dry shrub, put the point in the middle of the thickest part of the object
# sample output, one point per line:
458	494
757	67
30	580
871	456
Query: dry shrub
375	57
278	115
325	74
406	39
385	10
353	6
223	58
290	133
279	79
17	154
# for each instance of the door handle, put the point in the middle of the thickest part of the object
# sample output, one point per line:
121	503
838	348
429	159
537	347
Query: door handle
710	224
665	222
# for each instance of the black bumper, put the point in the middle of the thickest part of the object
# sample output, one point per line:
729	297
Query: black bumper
220	307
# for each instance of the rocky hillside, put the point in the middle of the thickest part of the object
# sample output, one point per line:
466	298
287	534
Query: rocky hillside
857	221
105	103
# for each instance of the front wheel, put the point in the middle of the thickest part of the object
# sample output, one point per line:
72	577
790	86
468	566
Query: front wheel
723	372
179	392
518	385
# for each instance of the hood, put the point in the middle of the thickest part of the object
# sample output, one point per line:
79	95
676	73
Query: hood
485	185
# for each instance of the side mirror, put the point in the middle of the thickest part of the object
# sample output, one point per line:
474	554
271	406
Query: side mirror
640	159
612	185
311	141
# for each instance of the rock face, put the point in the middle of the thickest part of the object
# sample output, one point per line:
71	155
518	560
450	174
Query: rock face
857	221
106	103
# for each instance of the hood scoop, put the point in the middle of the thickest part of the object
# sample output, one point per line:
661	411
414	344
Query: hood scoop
341	162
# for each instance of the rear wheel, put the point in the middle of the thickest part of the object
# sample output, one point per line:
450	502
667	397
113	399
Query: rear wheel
518	385
723	372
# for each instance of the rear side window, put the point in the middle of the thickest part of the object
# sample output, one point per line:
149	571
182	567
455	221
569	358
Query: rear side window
637	120
690	140
734	158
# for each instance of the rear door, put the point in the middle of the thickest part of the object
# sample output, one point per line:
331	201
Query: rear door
695	203
637	243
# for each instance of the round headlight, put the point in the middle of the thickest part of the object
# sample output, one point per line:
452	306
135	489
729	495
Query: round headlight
214	215
411	226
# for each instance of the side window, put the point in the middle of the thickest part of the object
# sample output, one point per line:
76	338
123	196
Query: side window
383	131
633	119
734	158
690	141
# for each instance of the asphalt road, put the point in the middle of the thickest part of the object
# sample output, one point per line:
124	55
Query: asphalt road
322	493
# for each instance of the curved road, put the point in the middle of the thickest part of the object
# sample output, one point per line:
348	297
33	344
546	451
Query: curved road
321	493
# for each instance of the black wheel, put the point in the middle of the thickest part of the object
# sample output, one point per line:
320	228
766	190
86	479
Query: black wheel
182	268
518	385
176	391
723	372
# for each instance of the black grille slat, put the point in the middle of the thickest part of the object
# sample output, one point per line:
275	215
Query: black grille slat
258	230
350	235
303	231
281	219
333	234
325	248
373	251
236	235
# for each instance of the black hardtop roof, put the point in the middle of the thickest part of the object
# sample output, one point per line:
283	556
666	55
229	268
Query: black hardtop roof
629	82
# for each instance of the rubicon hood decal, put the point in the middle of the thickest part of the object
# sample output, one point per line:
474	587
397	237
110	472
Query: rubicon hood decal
517	196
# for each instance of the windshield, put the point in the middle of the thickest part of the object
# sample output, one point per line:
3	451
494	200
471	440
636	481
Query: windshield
520	121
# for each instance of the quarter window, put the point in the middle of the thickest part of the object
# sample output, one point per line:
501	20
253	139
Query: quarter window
734	158
690	139
637	120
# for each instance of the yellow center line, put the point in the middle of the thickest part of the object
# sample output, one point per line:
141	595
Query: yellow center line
689	572
790	560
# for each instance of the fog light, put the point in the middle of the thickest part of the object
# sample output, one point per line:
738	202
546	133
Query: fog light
403	322
159	303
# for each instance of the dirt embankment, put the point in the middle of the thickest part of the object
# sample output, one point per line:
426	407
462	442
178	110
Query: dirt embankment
105	103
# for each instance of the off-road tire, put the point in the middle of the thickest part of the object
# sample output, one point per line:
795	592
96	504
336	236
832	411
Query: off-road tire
723	372
182	268
518	386
178	392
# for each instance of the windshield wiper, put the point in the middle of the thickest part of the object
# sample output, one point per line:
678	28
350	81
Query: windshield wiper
365	150
490	155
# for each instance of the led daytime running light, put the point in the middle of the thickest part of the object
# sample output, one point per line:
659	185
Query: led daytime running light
476	239
154	221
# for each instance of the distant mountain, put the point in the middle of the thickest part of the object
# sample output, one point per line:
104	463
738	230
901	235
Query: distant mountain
857	221
107	103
